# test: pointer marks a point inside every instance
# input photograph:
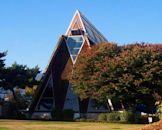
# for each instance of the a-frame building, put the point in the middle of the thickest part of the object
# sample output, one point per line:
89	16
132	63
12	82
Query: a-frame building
56	90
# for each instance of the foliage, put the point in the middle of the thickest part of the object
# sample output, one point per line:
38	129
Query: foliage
18	115
127	116
29	91
19	76
143	119
87	69
160	116
110	117
2	66
16	78
130	74
102	117
113	117
2	55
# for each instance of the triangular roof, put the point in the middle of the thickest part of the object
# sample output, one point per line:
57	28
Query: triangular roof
80	21
93	34
81	33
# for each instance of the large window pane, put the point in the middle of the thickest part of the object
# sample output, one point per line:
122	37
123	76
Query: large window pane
74	44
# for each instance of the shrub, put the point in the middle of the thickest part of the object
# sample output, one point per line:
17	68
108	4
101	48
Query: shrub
156	118
143	119
127	116
18	115
102	117
81	120
113	117
124	117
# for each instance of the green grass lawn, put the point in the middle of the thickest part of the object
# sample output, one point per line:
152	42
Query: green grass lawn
52	125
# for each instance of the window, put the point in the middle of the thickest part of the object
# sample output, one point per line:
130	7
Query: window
46	102
74	44
77	32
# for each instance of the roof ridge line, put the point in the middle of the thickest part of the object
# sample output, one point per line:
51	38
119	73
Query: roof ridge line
86	19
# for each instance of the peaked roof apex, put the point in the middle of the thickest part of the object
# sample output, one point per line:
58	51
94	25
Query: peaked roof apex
77	11
87	26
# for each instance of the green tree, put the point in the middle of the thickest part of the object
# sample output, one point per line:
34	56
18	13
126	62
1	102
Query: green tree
20	76
2	66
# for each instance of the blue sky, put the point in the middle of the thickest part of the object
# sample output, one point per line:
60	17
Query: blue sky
29	29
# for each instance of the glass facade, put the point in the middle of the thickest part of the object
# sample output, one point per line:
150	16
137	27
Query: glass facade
93	33
46	102
74	44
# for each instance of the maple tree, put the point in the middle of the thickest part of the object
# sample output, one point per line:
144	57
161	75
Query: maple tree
130	74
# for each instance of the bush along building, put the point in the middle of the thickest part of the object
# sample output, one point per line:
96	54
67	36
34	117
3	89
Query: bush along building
56	91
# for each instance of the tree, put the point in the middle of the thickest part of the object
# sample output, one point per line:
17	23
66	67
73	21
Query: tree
20	76
2	66
130	74
139	74
2	55
88	69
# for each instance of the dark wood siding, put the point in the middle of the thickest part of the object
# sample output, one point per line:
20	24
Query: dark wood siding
61	64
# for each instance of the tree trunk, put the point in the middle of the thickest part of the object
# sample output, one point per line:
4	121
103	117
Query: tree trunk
14	94
122	105
110	104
